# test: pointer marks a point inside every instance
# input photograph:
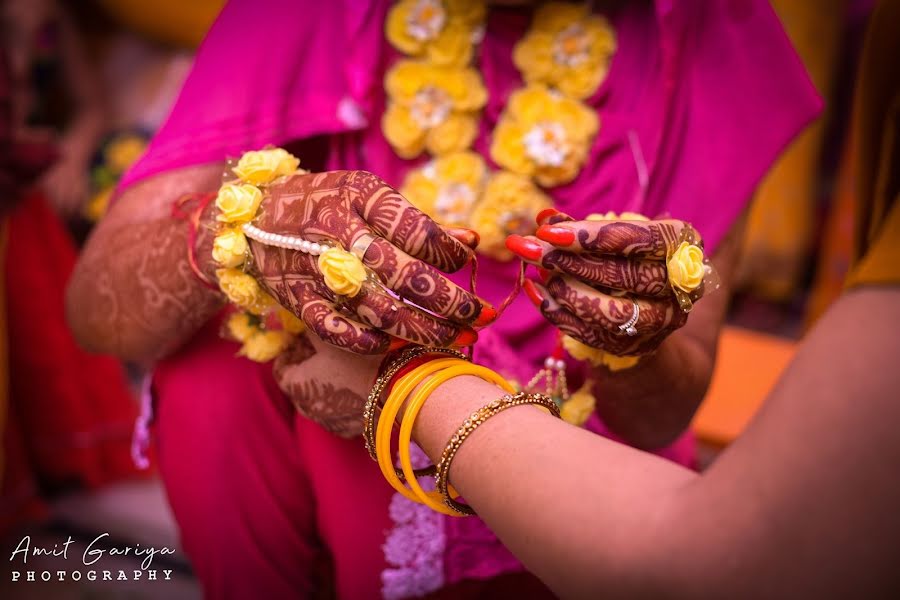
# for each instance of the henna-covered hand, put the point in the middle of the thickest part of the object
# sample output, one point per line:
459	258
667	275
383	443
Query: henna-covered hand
594	271
408	253
326	384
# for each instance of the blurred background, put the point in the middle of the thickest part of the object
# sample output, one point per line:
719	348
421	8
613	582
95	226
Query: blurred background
83	85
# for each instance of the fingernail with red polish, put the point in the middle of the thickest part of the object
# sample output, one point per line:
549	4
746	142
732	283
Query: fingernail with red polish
544	274
469	237
466	337
545	214
487	316
527	249
532	292
558	236
396	344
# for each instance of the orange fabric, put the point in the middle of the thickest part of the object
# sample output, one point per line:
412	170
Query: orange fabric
747	367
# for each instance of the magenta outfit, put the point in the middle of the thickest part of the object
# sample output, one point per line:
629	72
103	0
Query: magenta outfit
700	99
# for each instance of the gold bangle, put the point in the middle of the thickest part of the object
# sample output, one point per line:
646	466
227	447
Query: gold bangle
384	378
441	480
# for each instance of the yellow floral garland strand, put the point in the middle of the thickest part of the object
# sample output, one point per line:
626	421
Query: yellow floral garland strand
237	203
544	135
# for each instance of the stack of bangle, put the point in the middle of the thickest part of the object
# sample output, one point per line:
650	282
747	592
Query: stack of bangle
429	368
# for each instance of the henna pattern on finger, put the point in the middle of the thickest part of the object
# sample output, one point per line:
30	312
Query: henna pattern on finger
408	228
595	320
645	278
650	240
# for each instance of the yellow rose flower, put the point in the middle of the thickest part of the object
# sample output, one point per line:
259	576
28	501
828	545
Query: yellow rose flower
290	322
230	247
579	406
447	188
509	205
686	268
431	107
566	48
265	345
344	273
238	203
442	30
241	326
243	290
262	166
544	135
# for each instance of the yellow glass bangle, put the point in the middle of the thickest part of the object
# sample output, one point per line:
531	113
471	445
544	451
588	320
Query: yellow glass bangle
389	411
435	500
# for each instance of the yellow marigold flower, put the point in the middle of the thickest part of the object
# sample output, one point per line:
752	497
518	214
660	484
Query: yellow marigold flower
619	363
265	345
238	203
544	135
508	206
444	31
290	322
579	406
431	107
611	216
686	268
262	166
241	326
243	290
567	48
123	152
344	273
447	188
230	247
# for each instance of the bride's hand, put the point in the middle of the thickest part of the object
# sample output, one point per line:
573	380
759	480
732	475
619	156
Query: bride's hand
408	253
594	271
326	384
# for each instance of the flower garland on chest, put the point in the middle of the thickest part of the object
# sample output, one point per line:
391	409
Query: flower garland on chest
542	138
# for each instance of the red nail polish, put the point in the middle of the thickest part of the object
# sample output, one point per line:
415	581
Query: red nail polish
486	316
545	214
527	249
396	344
532	292
558	236
544	274
466	337
469	237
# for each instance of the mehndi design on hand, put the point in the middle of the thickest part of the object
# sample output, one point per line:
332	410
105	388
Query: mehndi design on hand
406	255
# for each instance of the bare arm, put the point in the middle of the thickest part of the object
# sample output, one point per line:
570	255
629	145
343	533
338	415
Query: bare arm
795	507
133	293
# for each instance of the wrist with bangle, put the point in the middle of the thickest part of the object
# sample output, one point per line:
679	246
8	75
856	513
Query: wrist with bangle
406	383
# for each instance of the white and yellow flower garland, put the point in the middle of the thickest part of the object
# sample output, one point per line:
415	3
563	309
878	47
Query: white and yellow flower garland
543	136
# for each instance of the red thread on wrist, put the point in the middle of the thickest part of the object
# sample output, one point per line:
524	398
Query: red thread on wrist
193	220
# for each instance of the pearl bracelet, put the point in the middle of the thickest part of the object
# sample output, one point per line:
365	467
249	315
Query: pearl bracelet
279	240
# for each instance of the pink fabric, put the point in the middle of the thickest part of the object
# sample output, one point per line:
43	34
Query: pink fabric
702	94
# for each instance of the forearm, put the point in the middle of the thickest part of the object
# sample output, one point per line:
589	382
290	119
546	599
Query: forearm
583	513
133	293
